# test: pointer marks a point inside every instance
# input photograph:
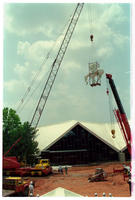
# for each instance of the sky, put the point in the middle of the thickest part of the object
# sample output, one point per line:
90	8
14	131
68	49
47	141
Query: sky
32	31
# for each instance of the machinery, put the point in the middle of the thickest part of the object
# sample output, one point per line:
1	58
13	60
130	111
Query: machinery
123	123
10	164
98	176
56	65
120	114
42	168
15	185
12	167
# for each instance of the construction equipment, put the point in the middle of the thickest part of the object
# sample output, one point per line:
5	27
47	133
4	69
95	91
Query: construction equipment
123	123
42	168
15	185
10	164
120	114
99	175
56	65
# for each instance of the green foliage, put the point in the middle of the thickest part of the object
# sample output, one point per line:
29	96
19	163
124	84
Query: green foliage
13	129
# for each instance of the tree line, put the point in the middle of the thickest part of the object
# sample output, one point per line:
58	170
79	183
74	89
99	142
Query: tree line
26	148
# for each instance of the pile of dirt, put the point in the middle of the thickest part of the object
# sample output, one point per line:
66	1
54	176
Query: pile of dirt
77	181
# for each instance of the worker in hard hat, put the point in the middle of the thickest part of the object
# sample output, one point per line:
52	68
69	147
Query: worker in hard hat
31	189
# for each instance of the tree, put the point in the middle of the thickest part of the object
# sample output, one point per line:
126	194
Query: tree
13	129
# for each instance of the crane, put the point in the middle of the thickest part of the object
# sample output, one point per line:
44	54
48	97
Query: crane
120	114
55	66
11	161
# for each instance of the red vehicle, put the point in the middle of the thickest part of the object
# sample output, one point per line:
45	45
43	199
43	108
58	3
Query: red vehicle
12	167
15	185
120	114
123	122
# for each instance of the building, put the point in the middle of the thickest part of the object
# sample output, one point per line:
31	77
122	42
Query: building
76	142
61	192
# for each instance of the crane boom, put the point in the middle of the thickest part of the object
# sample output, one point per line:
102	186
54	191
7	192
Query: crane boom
120	114
55	66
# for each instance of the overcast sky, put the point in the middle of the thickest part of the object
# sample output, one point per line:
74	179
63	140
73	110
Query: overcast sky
31	31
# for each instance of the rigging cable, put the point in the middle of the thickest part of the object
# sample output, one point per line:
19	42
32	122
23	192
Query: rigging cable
33	81
91	16
22	102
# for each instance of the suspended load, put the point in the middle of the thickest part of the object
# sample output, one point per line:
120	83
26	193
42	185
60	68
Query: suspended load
94	75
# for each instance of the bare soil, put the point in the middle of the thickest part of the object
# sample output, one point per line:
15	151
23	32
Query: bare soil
77	181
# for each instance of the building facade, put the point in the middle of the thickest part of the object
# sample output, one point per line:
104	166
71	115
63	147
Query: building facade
79	146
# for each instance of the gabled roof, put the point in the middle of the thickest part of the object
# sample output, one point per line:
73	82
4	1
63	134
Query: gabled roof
61	192
48	135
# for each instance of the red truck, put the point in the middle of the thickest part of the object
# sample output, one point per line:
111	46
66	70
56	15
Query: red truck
15	185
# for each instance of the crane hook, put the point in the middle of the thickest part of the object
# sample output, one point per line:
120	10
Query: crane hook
91	38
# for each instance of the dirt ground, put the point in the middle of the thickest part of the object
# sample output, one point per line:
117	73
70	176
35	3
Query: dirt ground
77	181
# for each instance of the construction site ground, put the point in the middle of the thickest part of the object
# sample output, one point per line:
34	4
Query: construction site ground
77	181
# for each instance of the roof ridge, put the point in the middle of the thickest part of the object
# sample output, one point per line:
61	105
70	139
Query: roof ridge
59	123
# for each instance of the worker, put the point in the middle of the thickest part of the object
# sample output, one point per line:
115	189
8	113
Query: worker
31	189
60	169
95	194
91	38
129	182
66	170
110	194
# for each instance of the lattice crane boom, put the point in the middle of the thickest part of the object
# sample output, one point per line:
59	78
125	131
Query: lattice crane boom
56	65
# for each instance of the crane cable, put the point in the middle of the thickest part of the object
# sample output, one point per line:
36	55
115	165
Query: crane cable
91	20
22	102
33	81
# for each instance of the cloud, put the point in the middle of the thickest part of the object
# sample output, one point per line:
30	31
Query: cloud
8	20
37	59
22	48
113	14
120	40
69	97
107	36
35	52
70	66
23	19
13	86
104	33
20	70
104	51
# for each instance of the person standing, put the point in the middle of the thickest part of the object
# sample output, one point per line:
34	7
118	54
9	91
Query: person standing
61	170
31	189
129	182
66	170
